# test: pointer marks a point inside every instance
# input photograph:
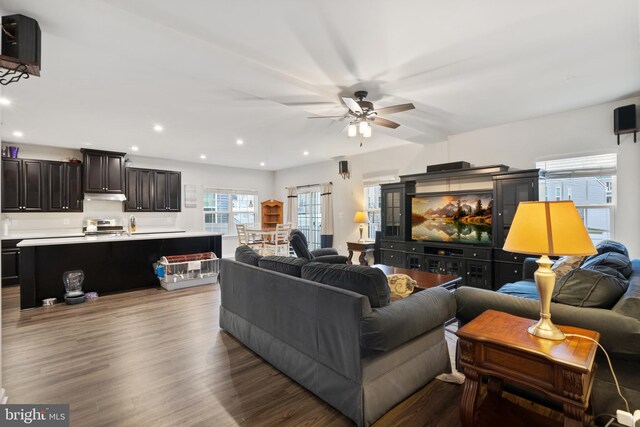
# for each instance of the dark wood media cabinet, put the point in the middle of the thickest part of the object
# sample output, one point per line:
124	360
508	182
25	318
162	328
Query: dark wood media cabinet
482	266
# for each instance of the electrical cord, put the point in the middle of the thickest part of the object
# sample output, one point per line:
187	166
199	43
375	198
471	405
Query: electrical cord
615	379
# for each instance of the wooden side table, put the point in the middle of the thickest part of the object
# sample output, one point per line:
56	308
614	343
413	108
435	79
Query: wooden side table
497	345
363	248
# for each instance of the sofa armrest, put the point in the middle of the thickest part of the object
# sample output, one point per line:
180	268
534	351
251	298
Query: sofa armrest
324	251
619	335
529	266
331	259
388	327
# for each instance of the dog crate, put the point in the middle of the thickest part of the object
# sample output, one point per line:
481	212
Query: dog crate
185	271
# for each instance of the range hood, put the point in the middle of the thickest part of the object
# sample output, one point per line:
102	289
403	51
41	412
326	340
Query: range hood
113	197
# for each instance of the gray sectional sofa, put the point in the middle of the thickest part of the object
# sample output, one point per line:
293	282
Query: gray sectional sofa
586	298
336	335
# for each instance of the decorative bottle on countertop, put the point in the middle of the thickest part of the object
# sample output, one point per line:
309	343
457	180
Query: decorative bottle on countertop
132	224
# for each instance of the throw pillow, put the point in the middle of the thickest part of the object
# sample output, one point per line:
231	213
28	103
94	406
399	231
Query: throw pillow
611	246
400	286
565	264
613	263
588	288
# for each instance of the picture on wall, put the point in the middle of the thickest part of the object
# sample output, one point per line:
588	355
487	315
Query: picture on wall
453	218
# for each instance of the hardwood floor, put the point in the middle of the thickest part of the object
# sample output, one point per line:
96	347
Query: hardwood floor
157	358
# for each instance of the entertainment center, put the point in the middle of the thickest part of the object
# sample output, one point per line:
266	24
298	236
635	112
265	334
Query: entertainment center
454	221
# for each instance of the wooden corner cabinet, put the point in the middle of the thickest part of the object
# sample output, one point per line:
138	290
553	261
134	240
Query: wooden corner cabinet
103	171
483	266
271	213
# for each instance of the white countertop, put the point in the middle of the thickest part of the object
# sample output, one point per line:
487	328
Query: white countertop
104	239
43	234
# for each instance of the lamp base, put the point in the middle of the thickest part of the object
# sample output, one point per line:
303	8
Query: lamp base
545	279
361	229
544	328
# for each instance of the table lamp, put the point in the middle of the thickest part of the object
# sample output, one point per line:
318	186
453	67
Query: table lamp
361	218
547	229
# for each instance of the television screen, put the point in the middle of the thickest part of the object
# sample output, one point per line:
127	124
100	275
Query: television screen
453	218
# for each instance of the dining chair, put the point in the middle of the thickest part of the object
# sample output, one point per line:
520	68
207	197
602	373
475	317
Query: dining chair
243	239
280	243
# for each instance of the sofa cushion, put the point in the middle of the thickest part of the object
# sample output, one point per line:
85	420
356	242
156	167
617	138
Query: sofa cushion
613	263
283	264
565	264
364	280
611	246
522	289
588	288
247	255
629	304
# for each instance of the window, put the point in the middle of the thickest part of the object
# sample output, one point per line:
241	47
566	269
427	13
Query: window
590	183
223	209
310	215
372	205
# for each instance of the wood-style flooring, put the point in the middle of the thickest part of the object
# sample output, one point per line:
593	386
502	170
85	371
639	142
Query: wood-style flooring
158	358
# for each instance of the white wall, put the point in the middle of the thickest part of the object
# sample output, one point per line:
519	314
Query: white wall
519	145
191	219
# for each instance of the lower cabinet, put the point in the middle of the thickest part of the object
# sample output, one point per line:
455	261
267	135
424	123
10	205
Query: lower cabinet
393	258
478	274
10	262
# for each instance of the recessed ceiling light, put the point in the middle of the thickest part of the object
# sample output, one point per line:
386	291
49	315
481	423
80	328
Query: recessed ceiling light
306	153
262	163
87	144
158	128
134	148
18	134
202	156
5	101
239	141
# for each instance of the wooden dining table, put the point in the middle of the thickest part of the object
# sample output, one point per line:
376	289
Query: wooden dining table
265	234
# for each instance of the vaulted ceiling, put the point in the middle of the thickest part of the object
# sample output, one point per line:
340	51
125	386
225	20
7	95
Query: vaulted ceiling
212	72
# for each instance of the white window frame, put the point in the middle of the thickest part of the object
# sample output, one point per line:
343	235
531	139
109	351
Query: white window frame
231	226
371	212
312	232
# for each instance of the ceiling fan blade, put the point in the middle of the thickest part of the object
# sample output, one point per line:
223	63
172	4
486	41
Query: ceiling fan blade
395	108
326	117
352	105
384	122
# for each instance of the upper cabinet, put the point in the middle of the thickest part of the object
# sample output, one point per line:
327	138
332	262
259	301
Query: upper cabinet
139	190
103	171
150	190
22	185
63	186
393	216
271	214
167	191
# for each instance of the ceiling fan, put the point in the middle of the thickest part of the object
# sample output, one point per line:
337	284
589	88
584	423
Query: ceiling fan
361	113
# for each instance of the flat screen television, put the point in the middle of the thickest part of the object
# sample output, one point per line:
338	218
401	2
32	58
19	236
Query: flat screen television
453	218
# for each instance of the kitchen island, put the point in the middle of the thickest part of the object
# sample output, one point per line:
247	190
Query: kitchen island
110	263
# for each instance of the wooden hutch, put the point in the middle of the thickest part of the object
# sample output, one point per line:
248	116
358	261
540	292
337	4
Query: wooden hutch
484	266
271	214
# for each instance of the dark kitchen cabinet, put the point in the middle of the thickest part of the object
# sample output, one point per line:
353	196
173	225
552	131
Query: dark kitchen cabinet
63	187
167	191
22	185
103	171
10	262
139	190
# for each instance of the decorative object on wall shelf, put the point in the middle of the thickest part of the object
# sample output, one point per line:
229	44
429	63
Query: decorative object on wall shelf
190	196
343	169
625	121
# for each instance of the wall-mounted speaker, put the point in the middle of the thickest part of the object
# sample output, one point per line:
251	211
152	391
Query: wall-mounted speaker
21	38
624	121
343	169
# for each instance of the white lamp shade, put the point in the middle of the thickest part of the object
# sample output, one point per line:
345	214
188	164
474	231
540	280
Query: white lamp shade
548	228
367	132
352	130
363	127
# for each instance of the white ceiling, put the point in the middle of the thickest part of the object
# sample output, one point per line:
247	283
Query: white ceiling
211	72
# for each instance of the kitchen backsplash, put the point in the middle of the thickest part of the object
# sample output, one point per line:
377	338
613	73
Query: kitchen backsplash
25	222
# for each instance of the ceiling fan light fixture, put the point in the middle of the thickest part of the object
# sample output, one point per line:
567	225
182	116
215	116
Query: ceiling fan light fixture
363	127
352	130
367	132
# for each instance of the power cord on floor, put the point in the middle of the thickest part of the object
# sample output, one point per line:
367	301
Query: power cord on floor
615	379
